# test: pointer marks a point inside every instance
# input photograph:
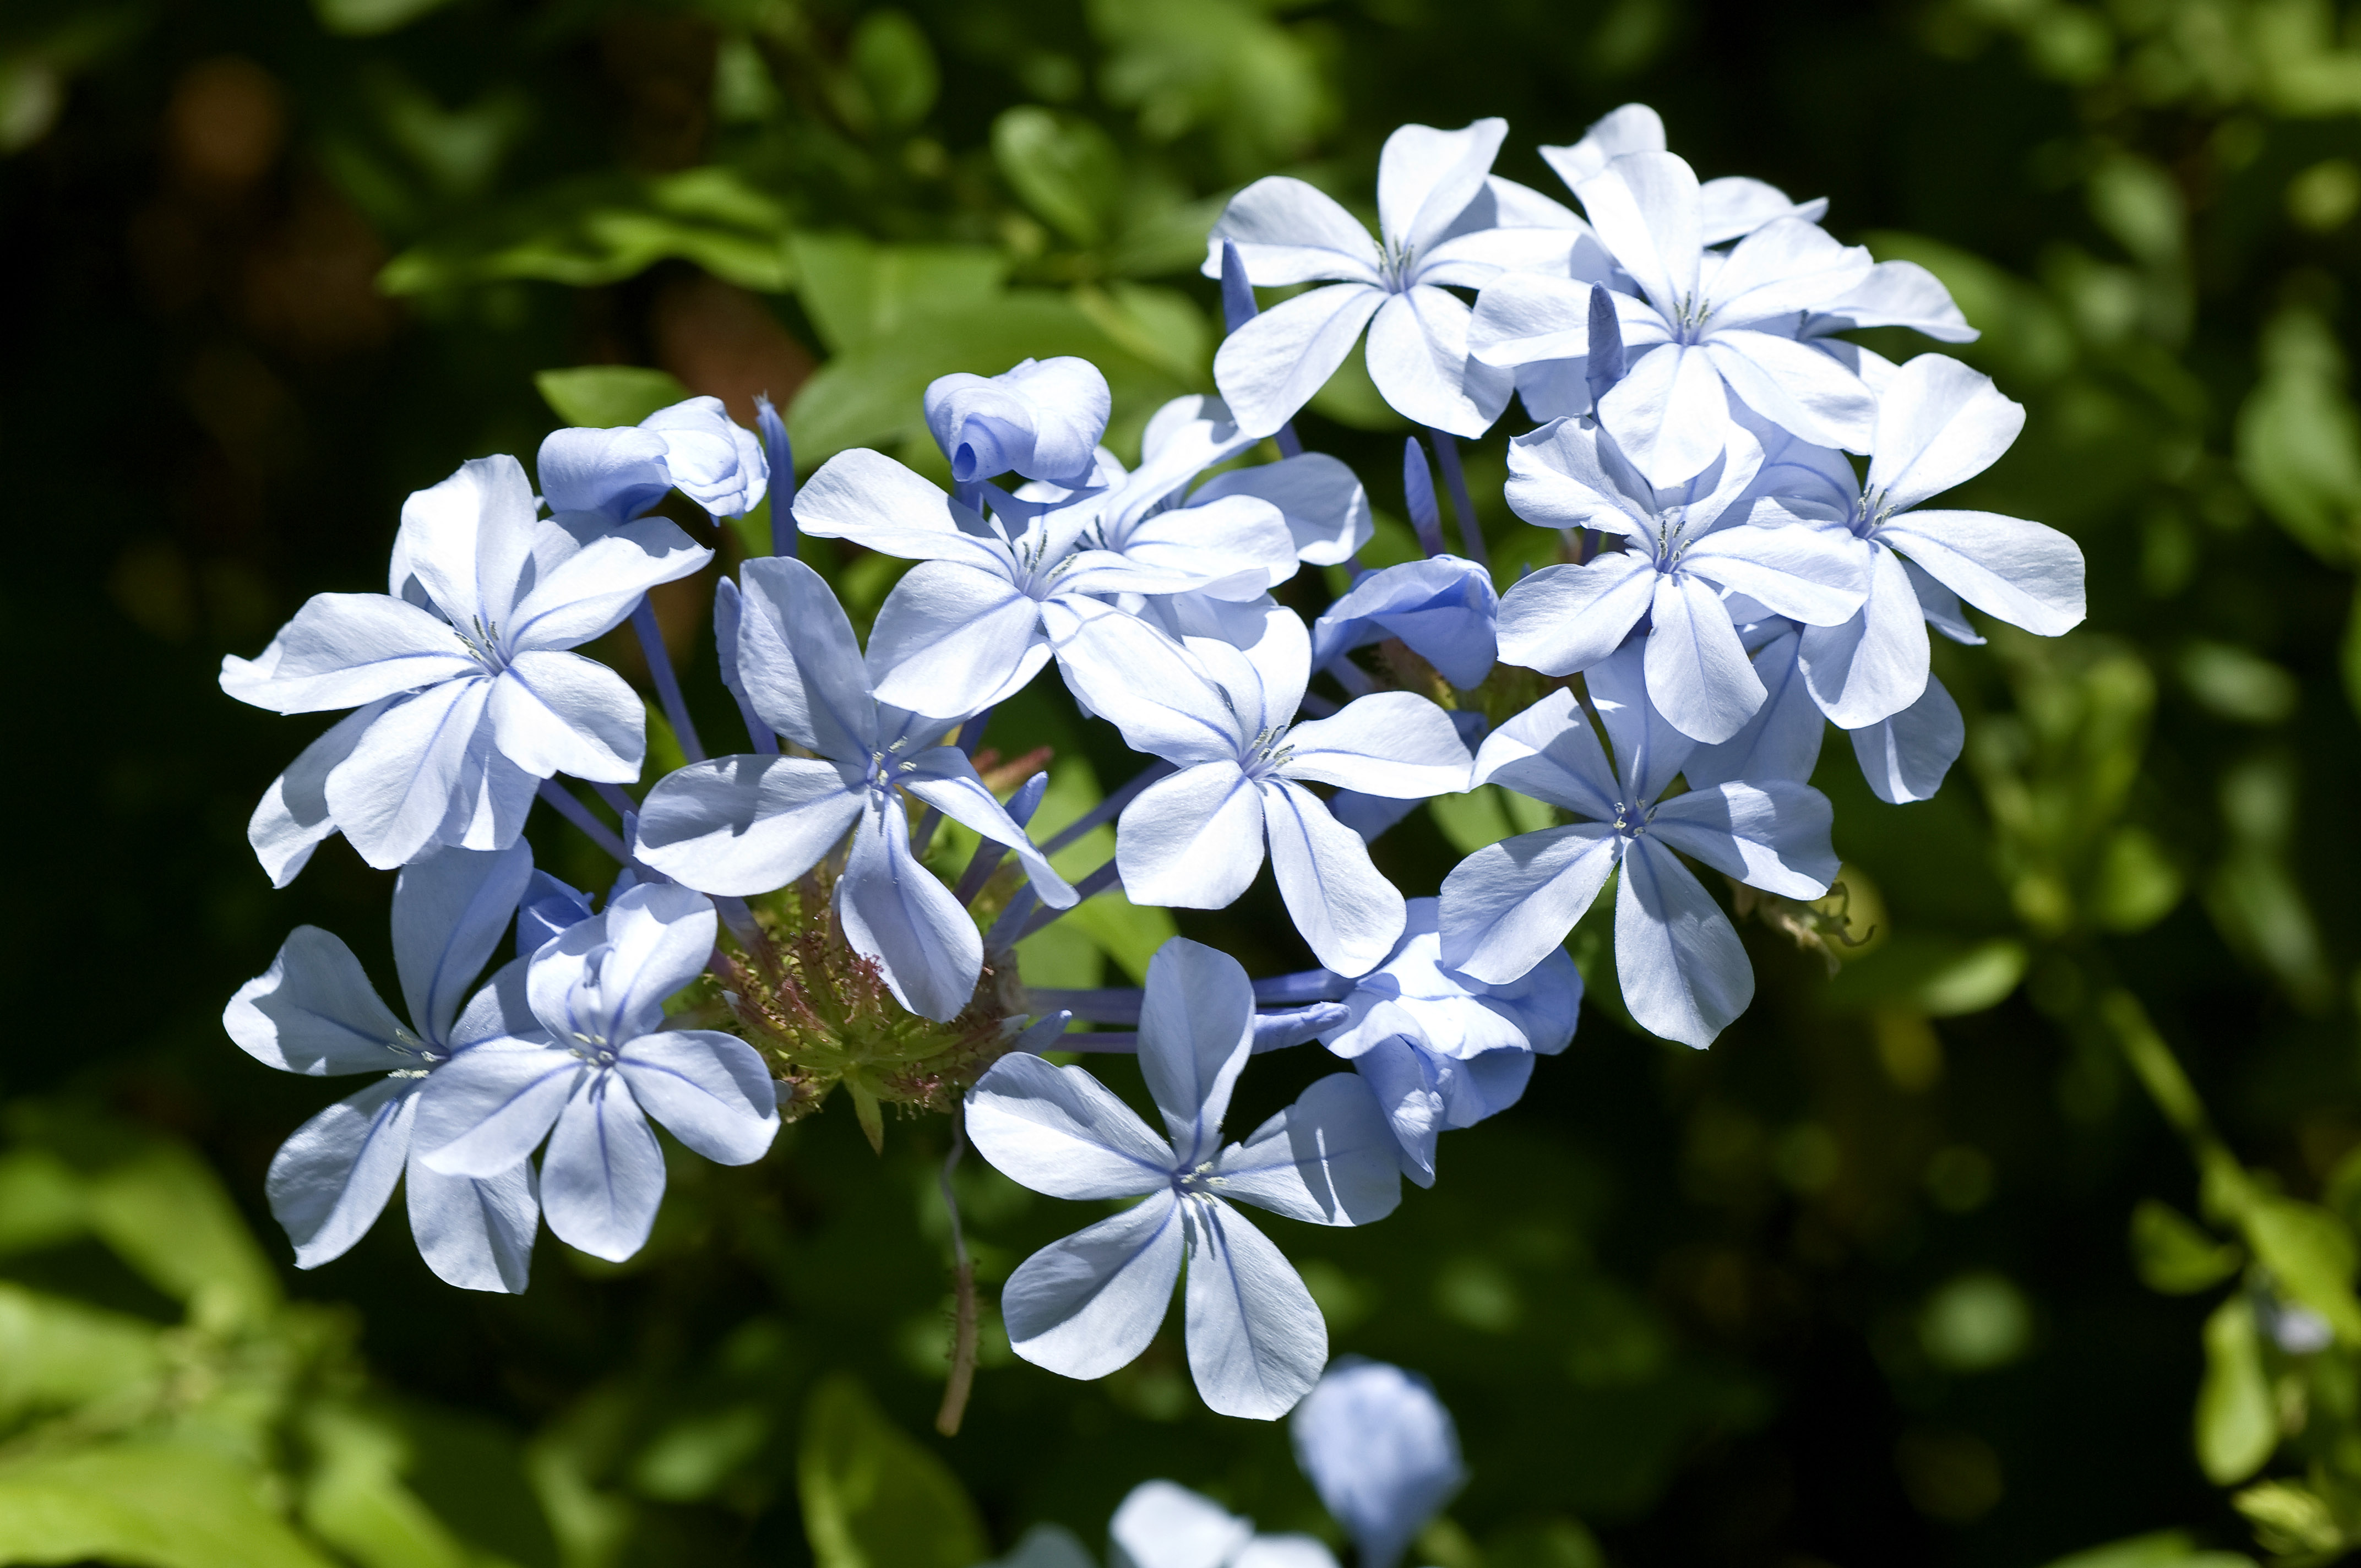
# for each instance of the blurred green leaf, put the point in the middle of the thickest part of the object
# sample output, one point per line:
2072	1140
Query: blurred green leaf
1046	1546
857	290
2136	884
1941	977
2164	1549
2293	1521
1351	399
874	1499
2311	1253
164	1213
42	1201
1223	65
2299	438
159	1506
2174	1256
604	228
2025	337
2237	684
356	1500
607	395
2237	1424
1064	166
366	18
57	1354
895	67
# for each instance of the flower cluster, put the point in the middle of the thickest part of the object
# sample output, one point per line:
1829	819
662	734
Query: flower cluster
1727	583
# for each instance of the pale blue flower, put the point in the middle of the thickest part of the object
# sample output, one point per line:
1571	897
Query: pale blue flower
744	824
468	696
1442	1049
600	1065
1089	1304
1683	971
1939	424
1042	419
1161	1525
1443	608
1382	1453
694	447
974	621
1227	715
314	1012
1445	222
1683	548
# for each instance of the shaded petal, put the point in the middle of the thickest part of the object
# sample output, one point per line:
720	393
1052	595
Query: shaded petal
1146	684
391	795
1287	232
710	1090
1683	974
949	637
1085	1306
1418	357
475	1232
1939	424
1898	293
449	911
1389	744
1905	757
1426	176
1647	210
1348	914
603	1178
1634	127
1550	752
710	459
468	539
343	649
895	911
1668	414
1213	538
292	818
1648	749
946	780
1782	741
1444	609
1510	904
1059	1130
614	471
494	1102
1698	676
330	1179
1325	507
1818	575
313	1012
800	661
1161	1525
1522	318
561	713
870	498
609	980
1328	1159
1270	368
590	592
1771	833
738	826
1873	665
1256	1341
1786	266
1734	206
499	1008
1566	617
1196	1030
1795	387
1193	840
2027	574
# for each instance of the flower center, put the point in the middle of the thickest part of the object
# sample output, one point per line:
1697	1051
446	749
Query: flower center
1267	753
482	643
597	1052
1690	316
1629	823
1672	537
1197	1183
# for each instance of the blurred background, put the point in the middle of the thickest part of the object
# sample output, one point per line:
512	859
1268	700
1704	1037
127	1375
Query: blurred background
2022	1229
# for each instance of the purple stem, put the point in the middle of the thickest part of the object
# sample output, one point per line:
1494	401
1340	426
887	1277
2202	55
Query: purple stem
582	816
652	644
785	540
988	854
1305	985
613	793
1418	492
1446	457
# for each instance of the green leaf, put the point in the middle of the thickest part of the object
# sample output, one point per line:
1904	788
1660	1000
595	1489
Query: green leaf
2174	1256
368	18
2136	884
856	290
2236	1425
2291	1520
895	67
1352	400
164	1213
607	395
872	1496
41	1201
1941	977
2163	1549
356	1500
153	1505
57	1354
2311	1253
2025	336
2298	437
1064	166
604	228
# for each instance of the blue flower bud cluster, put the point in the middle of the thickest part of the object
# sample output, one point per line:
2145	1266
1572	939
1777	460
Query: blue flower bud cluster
1728	581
